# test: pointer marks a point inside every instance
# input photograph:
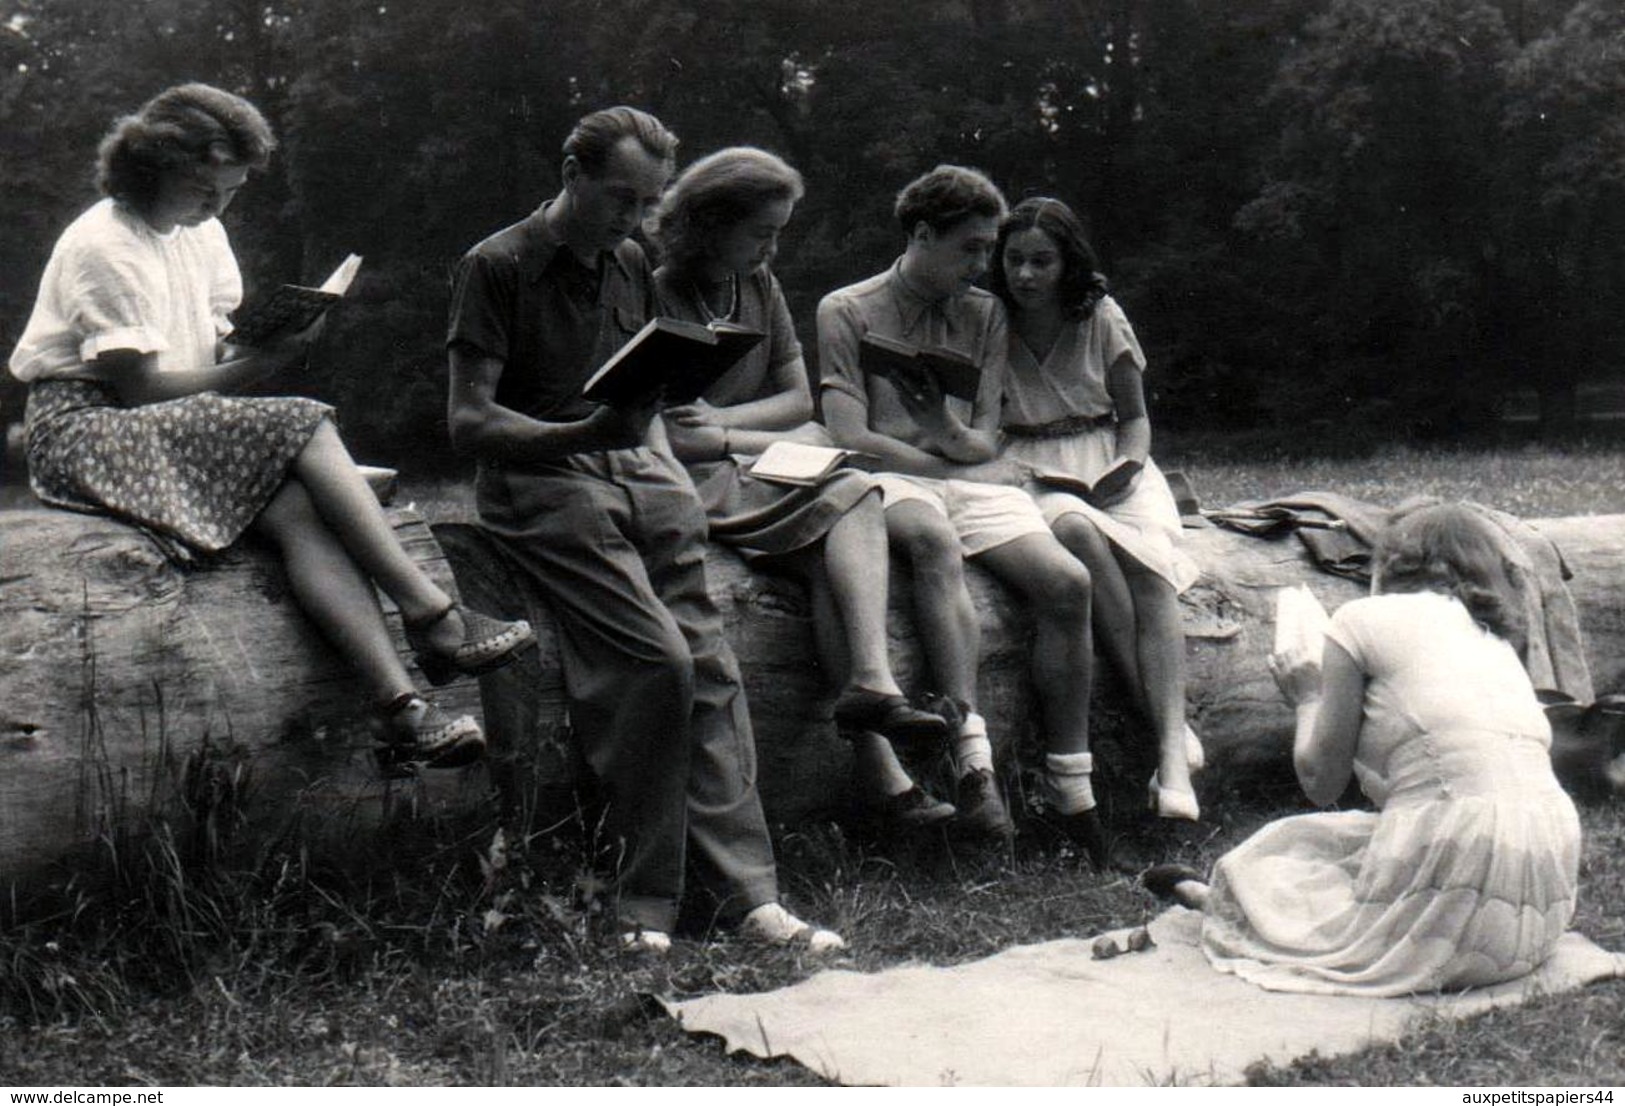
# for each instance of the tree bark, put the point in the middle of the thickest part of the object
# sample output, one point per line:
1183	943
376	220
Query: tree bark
126	681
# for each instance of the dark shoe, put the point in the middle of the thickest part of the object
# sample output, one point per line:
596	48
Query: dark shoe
914	809
419	733
913	731
1163	878
1086	830
488	644
981	807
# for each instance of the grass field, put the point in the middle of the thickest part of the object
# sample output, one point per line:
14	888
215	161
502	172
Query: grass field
448	955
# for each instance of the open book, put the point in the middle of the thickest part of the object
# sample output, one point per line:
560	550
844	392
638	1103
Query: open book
682	357
800	464
1098	493
893	360
1300	622
292	307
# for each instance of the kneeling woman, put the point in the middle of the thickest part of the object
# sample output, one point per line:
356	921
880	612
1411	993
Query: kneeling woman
1467	873
124	358
718	231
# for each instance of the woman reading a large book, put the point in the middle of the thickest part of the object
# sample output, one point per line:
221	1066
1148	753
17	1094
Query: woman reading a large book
718	231
1074	411
125	363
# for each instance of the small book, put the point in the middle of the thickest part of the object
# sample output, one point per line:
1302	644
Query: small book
800	464
292	307
890	359
1300	622
684	358
1101	490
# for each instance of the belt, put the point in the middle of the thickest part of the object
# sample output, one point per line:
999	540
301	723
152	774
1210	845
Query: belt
1059	428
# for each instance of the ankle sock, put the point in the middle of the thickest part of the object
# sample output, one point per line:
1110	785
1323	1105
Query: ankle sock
972	749
1070	784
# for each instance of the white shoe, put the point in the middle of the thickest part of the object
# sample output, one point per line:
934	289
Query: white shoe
652	942
772	924
1195	755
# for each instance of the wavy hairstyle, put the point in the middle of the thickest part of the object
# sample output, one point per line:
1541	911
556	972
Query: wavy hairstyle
1082	285
946	197
187	125
714	194
597	133
1452	549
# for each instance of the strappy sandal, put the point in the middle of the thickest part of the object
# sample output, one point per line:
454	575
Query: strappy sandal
488	644
418	733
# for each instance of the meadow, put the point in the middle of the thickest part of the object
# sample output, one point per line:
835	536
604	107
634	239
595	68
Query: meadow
467	953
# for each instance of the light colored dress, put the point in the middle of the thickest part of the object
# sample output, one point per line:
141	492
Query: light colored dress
1466	875
1069	383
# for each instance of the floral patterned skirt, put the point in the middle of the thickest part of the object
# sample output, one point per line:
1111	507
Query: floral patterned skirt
194	471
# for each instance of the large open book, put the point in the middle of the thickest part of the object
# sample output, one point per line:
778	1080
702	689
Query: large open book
896	361
800	464
676	355
291	308
1098	493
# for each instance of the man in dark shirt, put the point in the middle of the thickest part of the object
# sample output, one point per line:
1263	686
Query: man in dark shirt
589	500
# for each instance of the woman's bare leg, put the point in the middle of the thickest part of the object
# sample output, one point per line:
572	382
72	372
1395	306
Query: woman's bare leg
1116	625
352	514
1161	650
943	611
332	590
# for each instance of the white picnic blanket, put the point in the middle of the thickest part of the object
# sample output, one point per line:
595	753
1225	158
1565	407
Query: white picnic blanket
1051	1015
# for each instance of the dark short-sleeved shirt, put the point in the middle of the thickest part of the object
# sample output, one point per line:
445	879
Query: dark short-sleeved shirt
973	324
525	299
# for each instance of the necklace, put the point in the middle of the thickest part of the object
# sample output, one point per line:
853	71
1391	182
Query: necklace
733	301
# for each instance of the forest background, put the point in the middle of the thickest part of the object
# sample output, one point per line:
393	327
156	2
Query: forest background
1334	222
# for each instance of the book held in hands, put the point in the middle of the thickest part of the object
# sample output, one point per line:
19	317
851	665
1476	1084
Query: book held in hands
291	308
683	358
895	360
800	464
1103	490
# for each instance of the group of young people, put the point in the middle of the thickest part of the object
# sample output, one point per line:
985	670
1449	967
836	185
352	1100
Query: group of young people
607	507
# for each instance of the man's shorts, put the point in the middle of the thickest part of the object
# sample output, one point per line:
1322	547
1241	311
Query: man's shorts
985	516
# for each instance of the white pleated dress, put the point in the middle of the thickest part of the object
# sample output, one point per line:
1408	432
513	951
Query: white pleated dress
1465	876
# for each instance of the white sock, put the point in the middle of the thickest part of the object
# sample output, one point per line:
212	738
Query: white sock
972	749
1070	785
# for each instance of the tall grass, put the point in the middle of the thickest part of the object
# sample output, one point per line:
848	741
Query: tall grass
464	950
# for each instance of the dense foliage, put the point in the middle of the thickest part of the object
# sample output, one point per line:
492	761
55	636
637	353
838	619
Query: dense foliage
1370	217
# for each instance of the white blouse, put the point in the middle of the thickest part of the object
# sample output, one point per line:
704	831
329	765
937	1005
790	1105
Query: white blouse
114	283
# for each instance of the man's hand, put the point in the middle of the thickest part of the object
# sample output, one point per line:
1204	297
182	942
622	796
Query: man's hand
921	396
623	426
695	441
698	413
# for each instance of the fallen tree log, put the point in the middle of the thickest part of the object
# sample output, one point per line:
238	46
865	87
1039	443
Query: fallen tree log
129	685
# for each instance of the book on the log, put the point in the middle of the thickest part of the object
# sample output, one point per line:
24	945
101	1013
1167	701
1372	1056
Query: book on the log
676	357
1098	492
895	360
800	464
291	308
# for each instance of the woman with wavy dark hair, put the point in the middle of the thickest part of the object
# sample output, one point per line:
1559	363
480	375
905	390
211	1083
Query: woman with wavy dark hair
1074	404
126	354
718	230
1467	872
